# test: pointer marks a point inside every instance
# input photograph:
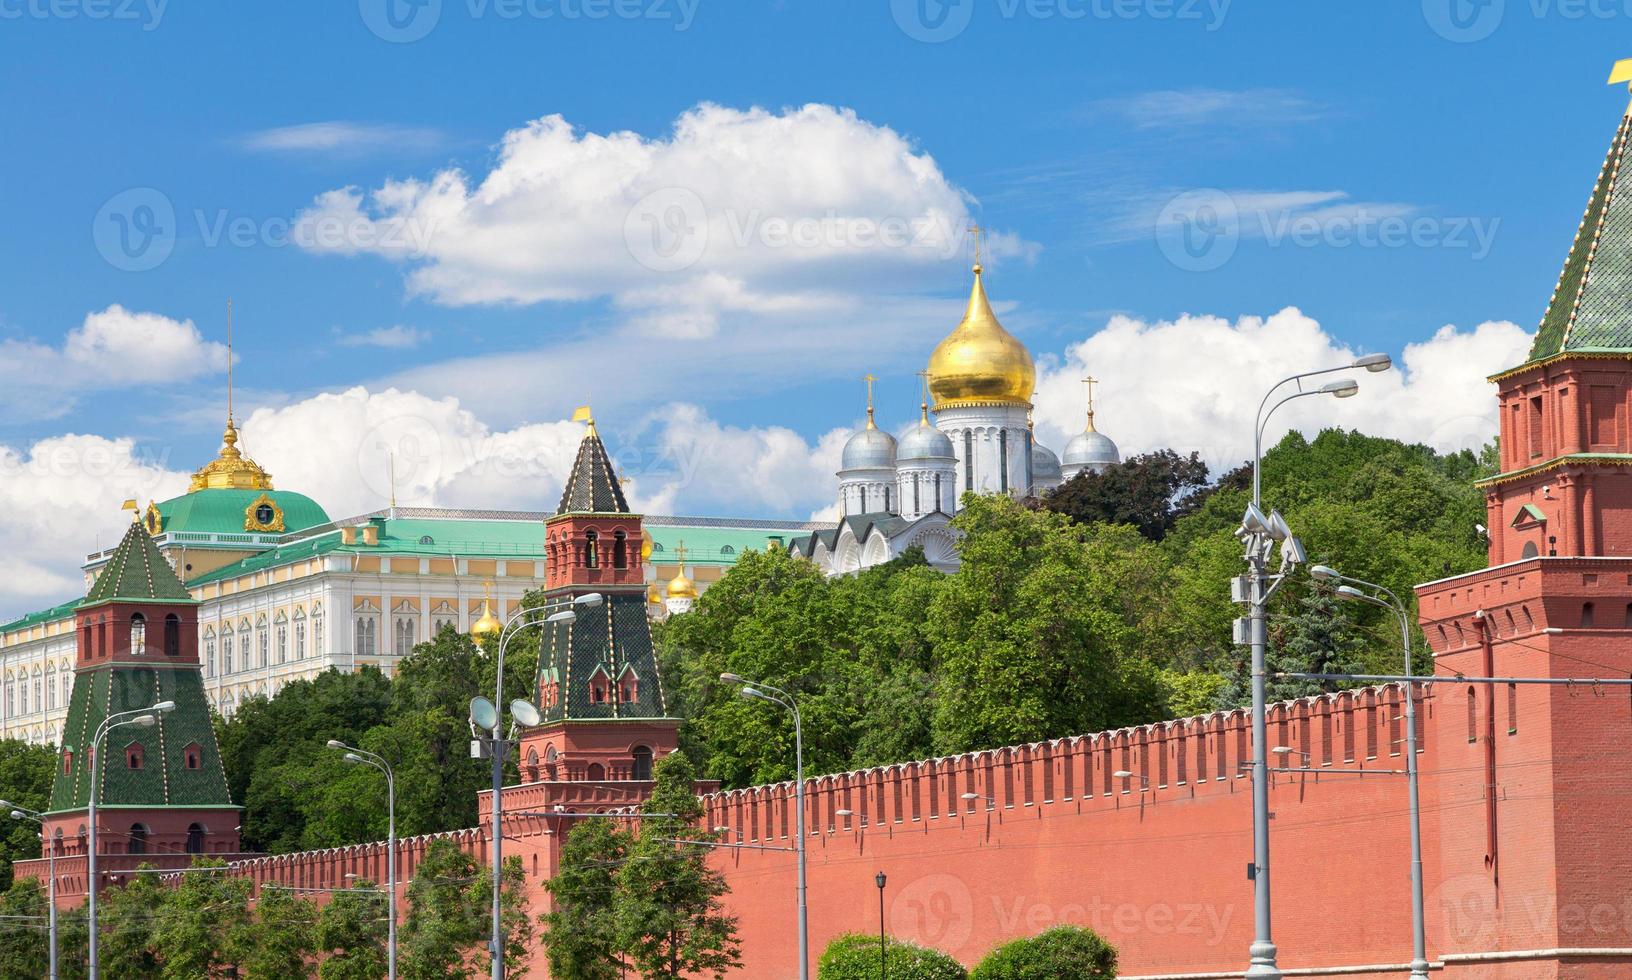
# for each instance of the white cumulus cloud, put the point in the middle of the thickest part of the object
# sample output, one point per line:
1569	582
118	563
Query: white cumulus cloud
733	211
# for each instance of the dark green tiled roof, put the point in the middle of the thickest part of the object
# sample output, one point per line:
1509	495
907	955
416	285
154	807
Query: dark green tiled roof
137	571
61	611
1590	308
593	486
614	637
164	779
281	555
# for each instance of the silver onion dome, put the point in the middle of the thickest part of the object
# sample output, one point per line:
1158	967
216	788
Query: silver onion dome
925	443
1090	450
869	449
1045	466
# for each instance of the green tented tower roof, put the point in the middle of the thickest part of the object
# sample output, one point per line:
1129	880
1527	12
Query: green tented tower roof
592	488
1591	309
138	573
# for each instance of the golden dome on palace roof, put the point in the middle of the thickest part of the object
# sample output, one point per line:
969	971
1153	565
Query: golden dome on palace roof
231	469
979	362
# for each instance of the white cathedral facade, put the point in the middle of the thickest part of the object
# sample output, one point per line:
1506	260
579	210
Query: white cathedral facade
898	494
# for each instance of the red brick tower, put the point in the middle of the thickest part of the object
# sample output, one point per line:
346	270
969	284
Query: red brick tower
1553	898
161	791
602	699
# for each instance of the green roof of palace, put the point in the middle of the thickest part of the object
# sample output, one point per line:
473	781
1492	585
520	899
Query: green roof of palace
1590	307
221	511
63	610
716	545
137	572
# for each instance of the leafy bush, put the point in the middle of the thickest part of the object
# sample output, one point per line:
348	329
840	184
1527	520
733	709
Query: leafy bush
855	957
1061	953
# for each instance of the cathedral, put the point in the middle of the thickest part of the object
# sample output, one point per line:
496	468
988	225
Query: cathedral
285	591
896	494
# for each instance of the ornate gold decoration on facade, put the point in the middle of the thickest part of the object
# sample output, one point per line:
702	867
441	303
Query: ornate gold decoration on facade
979	362
263	516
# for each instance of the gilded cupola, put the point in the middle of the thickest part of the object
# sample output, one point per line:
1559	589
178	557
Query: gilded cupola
979	362
231	469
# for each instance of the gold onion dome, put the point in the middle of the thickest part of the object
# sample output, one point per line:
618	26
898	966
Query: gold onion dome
486	627
680	587
980	363
231	469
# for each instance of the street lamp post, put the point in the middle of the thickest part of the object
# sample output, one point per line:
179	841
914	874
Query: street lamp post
23	813
883	961
524	714
355	756
1419	939
1258	533
752	691
141	717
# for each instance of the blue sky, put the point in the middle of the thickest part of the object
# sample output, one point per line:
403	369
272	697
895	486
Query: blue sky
1068	127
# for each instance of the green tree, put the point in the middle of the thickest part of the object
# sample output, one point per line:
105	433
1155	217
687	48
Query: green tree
445	920
670	918
1037	634
581	928
1061	953
127	920
280	942
351	934
854	956
1151	492
24	947
26	772
200	917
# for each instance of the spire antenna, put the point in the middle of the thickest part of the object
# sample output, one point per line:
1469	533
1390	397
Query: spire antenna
229	361
391	476
869	378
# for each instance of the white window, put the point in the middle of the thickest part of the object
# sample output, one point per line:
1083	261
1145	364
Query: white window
300	634
226	652
67	684
209	654
11	703
265	639
317	629
404	632
283	643
366	634
51	686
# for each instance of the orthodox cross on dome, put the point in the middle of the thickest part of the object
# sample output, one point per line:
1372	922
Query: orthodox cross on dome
869	378
923	406
1090	381
975	232
680	551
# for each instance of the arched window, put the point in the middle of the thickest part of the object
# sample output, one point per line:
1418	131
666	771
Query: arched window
300	634
532	765
195	839
404	630
1473	716
209	652
1587	615
226	651
39	702
317	629
172	635
727	551
11	703
138	839
264	638
365	636
283	641
67	680
642	768
620	550
134	755
193	756
67	762
138	634
81	836
51	686
592	555
595	772
1530	550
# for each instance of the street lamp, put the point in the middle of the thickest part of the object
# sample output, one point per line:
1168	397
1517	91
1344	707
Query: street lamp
751	691
1144	783
1258	533
1352	590
23	813
355	757
523	714
142	718
882	960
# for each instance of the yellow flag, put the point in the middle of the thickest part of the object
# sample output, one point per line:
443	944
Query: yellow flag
129	504
582	414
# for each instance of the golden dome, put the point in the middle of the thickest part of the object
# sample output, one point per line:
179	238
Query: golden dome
680	587
231	470
979	362
487	627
